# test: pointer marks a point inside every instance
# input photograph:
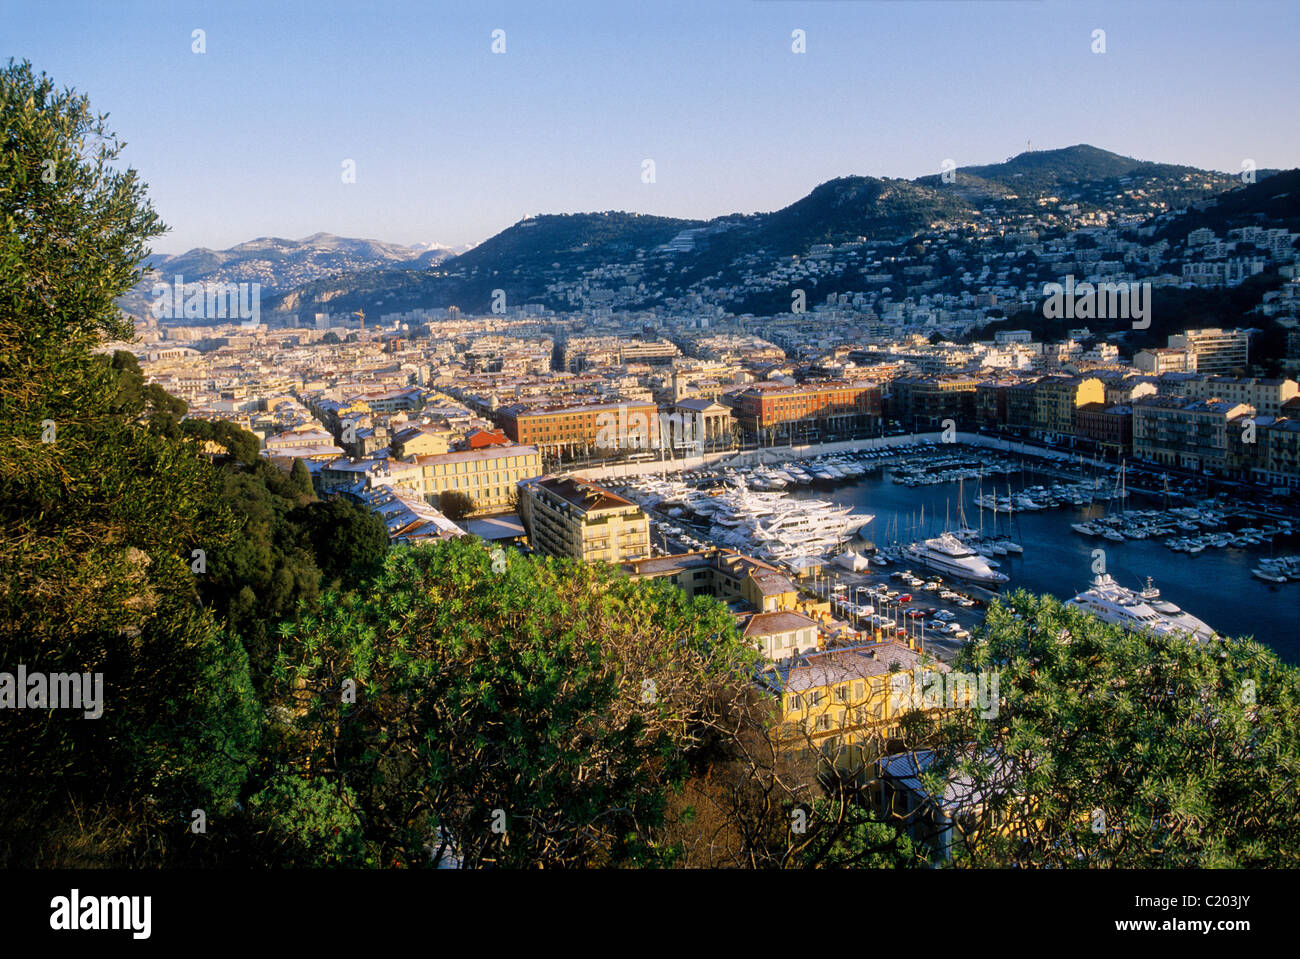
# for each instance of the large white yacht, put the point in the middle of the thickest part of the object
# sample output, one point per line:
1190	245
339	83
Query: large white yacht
807	525
947	554
1142	610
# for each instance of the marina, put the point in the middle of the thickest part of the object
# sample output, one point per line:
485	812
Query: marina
987	524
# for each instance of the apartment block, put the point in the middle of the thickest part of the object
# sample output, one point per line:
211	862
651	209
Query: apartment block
1266	395
825	405
924	402
572	428
1215	351
1057	400
490	476
1165	360
1174	432
579	520
1109	427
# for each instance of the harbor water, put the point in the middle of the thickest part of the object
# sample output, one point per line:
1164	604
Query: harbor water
1215	585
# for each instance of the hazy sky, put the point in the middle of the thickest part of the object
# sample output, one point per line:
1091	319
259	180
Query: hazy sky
453	143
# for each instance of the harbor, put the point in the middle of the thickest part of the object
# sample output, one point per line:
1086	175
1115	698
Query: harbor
971	523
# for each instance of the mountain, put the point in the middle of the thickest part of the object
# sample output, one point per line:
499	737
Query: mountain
1048	169
666	256
1083	174
422	248
278	264
631	260
520	259
1274	198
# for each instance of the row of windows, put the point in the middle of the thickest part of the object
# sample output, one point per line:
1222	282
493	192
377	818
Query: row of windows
479	466
842	693
490	494
477	479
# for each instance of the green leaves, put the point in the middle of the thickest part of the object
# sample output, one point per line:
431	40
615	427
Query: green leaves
518	692
1154	732
97	528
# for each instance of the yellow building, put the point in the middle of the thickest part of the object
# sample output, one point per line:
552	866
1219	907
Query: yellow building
723	574
580	520
1057	400
857	695
490	477
422	441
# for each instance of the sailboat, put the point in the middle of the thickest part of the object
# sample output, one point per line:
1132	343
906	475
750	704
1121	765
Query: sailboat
1006	542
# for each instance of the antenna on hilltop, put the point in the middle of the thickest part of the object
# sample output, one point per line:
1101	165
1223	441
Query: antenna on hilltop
1029	145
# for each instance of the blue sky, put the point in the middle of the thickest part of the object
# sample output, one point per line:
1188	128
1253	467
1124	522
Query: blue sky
453	143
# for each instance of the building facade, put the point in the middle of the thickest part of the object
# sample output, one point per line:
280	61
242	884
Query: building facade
579	520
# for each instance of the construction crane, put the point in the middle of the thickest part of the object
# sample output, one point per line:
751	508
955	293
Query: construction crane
361	313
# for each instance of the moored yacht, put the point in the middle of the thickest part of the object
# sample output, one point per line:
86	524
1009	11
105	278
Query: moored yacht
948	554
1141	611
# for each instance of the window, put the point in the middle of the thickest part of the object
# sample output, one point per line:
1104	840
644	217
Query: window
842	693
795	702
815	697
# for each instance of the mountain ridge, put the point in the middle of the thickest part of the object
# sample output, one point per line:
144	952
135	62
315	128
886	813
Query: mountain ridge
543	258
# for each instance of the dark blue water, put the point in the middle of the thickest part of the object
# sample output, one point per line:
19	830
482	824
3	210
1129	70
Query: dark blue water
1214	585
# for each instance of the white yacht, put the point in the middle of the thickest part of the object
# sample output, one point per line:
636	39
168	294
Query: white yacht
948	554
807	524
1142	611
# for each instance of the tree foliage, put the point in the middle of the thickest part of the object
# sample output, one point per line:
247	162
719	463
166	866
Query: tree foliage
99	518
455	505
556	702
1112	748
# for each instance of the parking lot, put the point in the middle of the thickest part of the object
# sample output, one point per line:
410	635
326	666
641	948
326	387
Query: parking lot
927	610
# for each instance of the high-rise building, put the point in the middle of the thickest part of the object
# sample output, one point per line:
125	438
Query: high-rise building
1215	350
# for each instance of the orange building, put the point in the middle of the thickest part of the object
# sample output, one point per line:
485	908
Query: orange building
830	404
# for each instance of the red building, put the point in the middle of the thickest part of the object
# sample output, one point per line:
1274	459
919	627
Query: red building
482	439
1110	427
829	406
